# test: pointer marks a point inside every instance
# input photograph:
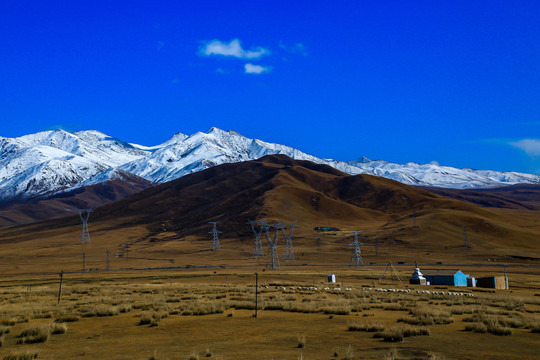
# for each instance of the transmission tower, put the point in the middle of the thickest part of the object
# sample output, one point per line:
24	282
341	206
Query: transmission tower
215	240
84	214
288	251
357	253
272	244
258	247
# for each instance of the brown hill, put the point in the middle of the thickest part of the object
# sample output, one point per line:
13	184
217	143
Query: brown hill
168	223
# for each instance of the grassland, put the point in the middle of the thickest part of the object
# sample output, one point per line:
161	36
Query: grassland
192	314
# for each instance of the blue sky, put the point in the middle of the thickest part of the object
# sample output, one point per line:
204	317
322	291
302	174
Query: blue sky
456	82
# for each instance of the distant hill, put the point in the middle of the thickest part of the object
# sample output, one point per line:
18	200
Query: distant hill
170	221
521	196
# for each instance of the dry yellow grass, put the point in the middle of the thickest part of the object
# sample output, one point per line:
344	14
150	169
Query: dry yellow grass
183	307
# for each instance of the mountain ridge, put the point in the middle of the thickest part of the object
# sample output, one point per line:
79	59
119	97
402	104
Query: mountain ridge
55	161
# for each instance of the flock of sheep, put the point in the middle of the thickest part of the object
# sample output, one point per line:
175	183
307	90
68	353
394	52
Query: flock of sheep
452	293
338	289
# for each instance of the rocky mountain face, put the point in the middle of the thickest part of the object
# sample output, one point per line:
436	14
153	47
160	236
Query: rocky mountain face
52	162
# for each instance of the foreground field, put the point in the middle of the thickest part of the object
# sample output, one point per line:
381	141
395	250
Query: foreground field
210	315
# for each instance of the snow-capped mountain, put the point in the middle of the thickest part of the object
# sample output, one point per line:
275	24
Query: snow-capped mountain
50	162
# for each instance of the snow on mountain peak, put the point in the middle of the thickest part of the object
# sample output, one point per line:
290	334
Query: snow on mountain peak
54	161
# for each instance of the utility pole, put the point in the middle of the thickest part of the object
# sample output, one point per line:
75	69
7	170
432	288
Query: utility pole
357	253
256	293
215	240
506	285
60	287
288	251
273	245
84	214
258	247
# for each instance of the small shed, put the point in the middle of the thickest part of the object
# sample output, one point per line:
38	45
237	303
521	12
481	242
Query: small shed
451	277
471	281
492	282
331	278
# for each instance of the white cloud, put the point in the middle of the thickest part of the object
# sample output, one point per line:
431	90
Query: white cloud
256	69
233	48
530	146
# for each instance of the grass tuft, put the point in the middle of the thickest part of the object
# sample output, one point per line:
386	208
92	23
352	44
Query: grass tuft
67	318
34	334
348	353
27	355
58	328
477	327
8	322
365	326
